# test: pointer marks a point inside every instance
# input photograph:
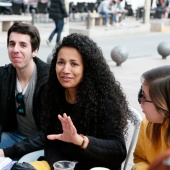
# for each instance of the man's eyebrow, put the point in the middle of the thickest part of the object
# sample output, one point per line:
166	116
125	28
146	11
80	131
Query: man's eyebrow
22	42
11	41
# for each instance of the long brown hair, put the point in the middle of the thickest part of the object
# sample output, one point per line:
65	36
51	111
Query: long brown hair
158	80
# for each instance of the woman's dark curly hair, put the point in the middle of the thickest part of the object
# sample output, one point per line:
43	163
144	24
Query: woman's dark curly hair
97	86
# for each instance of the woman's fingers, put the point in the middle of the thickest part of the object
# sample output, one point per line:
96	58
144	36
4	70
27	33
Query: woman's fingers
63	122
60	118
69	130
66	122
54	137
71	125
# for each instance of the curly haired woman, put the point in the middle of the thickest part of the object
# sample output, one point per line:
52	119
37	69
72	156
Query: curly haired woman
83	97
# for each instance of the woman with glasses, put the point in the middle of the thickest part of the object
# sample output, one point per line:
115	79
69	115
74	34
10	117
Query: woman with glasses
154	135
85	111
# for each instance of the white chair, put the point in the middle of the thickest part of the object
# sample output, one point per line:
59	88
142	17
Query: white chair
135	119
31	157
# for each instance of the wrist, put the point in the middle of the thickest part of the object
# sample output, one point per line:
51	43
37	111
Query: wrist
85	142
82	144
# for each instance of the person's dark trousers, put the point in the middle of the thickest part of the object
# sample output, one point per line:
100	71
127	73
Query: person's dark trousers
113	17
106	15
59	24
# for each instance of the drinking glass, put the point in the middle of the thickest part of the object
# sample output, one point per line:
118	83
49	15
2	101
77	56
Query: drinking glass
64	165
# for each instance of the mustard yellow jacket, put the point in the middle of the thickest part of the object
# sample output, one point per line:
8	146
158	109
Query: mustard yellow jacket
144	152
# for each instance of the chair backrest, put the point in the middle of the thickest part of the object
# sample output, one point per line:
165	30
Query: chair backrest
81	7
42	7
17	8
32	156
91	6
135	119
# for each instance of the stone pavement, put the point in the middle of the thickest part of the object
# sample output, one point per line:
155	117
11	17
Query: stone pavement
129	26
128	74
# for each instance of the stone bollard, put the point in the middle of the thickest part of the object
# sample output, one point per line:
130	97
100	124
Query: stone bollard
164	49
49	58
119	54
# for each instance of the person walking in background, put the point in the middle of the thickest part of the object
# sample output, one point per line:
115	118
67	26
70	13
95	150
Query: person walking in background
57	12
83	97
105	9
21	87
154	134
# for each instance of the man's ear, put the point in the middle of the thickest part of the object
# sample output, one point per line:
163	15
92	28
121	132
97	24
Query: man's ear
34	53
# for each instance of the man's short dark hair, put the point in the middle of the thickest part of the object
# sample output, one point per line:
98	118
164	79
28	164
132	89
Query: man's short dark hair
29	29
113	1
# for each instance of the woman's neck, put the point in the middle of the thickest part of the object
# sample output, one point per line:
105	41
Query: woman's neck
70	96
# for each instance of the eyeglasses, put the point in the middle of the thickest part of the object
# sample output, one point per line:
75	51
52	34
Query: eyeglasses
144	100
21	107
141	97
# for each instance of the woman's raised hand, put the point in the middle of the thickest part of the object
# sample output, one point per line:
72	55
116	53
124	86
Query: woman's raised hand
69	131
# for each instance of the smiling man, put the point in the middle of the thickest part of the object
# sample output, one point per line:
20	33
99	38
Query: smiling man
21	88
